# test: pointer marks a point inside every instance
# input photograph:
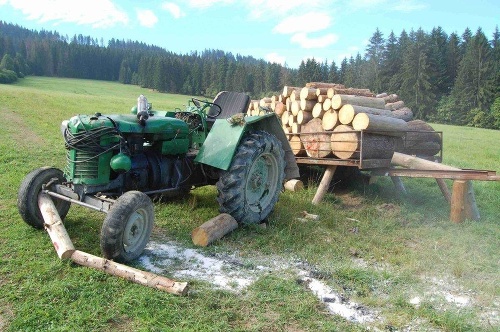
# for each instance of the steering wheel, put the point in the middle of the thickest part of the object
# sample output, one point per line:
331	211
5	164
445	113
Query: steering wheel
198	103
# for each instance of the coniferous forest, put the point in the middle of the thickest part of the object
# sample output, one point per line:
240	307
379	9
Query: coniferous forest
443	77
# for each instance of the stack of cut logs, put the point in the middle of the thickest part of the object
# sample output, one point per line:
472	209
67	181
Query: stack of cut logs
329	120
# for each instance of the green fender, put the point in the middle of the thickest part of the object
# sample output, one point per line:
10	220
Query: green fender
223	140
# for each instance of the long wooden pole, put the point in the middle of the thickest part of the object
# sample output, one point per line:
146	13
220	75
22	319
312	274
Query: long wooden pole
324	184
65	249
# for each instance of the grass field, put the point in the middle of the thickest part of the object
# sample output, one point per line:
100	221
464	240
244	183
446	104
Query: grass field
398	257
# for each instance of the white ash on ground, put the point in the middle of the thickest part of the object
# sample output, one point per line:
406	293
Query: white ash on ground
231	273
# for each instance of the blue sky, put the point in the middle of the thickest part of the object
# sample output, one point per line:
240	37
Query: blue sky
283	31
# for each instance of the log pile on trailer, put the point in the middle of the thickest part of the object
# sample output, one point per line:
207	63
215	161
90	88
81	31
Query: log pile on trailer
329	120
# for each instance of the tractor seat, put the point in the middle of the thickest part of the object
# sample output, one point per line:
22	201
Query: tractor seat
231	103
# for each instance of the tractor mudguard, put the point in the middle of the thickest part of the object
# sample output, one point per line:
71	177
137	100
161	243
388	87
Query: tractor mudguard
224	137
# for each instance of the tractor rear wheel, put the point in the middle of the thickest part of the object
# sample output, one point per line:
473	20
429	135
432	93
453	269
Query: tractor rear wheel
27	197
249	189
127	227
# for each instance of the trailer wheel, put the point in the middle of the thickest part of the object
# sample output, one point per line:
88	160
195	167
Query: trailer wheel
249	189
27	197
127	227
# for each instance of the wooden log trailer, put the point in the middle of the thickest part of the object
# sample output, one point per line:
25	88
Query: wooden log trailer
394	153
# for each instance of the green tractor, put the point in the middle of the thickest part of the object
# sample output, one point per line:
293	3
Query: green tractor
116	164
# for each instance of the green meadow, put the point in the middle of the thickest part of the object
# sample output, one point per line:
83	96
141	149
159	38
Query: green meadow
371	245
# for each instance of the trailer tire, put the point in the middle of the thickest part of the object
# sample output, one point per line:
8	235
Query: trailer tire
127	227
250	188
27	197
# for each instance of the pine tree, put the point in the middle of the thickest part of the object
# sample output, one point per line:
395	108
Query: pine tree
374	56
474	85
416	89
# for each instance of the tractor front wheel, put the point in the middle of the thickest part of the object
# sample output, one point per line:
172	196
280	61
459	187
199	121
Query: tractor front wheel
27	197
127	227
249	189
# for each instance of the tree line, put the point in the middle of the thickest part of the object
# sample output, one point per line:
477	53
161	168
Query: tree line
446	78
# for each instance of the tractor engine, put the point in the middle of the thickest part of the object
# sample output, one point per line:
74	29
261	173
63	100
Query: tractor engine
117	153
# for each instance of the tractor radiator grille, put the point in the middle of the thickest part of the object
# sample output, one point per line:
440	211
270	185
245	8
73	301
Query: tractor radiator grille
82	165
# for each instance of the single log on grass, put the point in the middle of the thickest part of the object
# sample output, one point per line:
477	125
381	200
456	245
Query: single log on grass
213	229
55	227
294	185
316	142
346	143
348	112
340	100
330	120
129	273
380	124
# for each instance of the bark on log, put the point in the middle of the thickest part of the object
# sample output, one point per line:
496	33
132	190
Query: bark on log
304	117
308	93
330	120
394	106
404	113
420	140
382	95
354	91
348	112
381	124
340	100
55	227
297	146
316	142
294	185
346	143
287	90
214	229
392	98
307	105
324	184
321	91
322	98
279	108
457	207
324	85
129	273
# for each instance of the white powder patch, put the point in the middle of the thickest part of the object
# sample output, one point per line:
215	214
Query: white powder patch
229	273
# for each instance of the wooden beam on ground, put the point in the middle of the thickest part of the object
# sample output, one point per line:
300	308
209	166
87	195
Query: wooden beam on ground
444	189
65	249
324	184
214	229
457	212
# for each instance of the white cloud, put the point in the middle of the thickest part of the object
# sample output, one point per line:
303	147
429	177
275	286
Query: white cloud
146	17
309	22
409	6
97	13
276	58
3	2
207	3
265	8
367	3
173	9
305	41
